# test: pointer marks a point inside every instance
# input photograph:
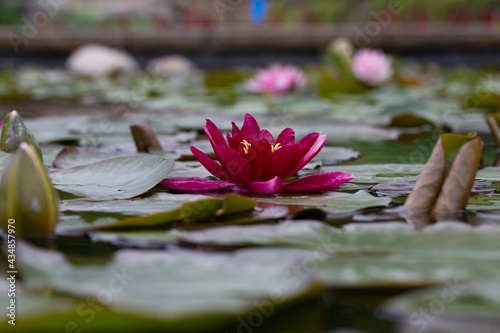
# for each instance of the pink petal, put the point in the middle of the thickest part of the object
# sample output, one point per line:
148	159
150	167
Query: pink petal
315	149
236	132
318	181
301	149
234	144
286	137
194	184
215	136
257	155
235	164
213	167
278	162
272	186
265	134
250	129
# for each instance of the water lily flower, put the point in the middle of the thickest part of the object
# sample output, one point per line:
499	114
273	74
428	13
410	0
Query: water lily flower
252	160
277	80
372	67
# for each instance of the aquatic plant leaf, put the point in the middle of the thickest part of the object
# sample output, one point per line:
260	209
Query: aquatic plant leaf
116	178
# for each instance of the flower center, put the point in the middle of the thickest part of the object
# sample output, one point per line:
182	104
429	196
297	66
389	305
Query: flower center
246	146
275	147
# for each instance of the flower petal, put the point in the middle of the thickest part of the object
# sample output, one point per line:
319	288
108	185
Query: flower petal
194	184
287	136
265	134
236	132
277	162
318	181
234	144
272	186
257	155
250	129
313	151
301	149
215	136
235	164
213	167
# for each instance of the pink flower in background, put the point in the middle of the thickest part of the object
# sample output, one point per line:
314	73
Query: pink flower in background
252	160
372	67
277	80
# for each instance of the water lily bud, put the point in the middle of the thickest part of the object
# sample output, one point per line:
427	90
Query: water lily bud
372	67
341	49
29	202
341	46
145	138
14	132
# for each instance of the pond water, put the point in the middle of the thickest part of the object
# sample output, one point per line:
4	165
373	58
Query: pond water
340	260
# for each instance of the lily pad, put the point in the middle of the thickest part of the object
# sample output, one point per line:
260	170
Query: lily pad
115	178
455	306
374	254
330	202
200	288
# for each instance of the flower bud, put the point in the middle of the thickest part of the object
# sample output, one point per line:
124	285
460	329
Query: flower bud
28	201
341	50
14	132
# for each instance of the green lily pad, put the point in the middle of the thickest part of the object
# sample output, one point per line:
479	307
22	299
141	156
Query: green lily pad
379	173
374	254
176	288
330	202
454	306
115	178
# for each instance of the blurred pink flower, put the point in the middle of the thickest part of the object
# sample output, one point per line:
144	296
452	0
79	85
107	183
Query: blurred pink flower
277	80
372	67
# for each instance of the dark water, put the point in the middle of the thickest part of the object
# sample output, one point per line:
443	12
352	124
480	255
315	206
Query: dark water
217	60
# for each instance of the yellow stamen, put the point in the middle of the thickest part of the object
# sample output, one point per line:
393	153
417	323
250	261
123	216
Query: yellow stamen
246	146
275	147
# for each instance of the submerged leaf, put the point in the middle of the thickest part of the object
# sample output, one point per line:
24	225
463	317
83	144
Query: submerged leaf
234	203
191	211
409	120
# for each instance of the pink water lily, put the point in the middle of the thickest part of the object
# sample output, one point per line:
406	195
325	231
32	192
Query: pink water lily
277	80
372	67
252	160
